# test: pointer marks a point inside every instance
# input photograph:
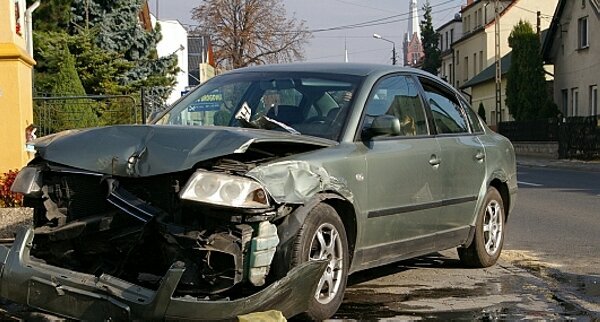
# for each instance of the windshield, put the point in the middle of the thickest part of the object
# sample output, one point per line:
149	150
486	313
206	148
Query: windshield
299	103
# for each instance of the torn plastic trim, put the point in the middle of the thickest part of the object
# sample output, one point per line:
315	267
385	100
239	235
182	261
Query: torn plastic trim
129	203
295	182
87	297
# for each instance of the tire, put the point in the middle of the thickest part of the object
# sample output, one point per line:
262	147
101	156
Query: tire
487	243
324	221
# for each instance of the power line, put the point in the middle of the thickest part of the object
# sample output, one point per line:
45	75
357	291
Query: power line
380	21
363	6
368	23
535	12
353	52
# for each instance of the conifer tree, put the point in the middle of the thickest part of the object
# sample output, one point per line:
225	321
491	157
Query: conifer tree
429	40
526	95
114	53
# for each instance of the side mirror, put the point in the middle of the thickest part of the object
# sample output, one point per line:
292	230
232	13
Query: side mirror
384	125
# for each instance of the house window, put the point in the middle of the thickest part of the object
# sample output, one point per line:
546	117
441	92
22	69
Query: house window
441	42
450	74
474	64
447	40
443	71
583	32
481	67
451	36
457	57
484	15
564	101
574	101
466	69
594	100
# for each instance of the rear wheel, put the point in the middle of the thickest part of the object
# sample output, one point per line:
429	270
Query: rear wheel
487	244
323	237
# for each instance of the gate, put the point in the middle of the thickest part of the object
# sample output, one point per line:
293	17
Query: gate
58	113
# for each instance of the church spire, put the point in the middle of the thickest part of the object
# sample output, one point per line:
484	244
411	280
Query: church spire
413	22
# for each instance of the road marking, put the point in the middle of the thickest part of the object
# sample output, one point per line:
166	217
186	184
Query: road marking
529	184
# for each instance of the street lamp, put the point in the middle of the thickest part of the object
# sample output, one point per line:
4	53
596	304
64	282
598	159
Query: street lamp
377	36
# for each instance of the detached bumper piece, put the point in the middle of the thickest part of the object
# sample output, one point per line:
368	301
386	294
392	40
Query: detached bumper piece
87	297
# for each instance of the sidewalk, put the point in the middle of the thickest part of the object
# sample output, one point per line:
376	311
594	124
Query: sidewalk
577	165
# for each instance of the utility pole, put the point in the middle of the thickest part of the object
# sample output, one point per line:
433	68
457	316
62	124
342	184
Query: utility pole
498	63
539	24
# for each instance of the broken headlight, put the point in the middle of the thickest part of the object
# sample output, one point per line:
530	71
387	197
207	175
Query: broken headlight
224	190
28	181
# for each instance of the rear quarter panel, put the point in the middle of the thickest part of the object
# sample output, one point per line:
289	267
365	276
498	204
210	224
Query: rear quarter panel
500	164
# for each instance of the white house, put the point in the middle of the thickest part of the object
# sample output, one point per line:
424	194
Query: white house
174	40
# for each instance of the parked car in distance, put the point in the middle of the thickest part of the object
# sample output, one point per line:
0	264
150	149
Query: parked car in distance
263	188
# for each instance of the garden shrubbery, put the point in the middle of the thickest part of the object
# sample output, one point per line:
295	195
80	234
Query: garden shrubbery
7	197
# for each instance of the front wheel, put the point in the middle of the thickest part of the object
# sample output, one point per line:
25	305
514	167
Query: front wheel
323	237
486	246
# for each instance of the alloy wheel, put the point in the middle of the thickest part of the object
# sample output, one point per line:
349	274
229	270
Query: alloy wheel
327	245
492	227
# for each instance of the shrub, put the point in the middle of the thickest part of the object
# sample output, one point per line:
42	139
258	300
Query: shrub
7	197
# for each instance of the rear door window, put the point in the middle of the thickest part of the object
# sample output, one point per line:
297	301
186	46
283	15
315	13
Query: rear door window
448	115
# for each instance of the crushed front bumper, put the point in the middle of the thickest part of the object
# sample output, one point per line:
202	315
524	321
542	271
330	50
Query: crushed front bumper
87	297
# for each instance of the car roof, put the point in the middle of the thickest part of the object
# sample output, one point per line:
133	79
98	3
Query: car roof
356	69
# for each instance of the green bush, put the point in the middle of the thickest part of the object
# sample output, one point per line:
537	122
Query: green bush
7	197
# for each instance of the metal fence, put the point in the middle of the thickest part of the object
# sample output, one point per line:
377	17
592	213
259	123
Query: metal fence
152	101
58	113
577	137
541	130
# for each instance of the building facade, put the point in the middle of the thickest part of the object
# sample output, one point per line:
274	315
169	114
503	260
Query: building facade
573	46
476	49
449	33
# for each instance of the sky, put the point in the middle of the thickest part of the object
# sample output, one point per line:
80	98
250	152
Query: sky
319	14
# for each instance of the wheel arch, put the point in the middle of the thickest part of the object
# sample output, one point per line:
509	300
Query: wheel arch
502	188
290	225
345	209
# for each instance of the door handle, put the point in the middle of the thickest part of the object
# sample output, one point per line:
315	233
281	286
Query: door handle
479	156
434	160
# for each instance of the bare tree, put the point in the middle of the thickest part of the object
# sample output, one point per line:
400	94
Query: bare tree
251	32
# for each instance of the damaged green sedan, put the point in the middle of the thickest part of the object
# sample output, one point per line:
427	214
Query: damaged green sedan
264	188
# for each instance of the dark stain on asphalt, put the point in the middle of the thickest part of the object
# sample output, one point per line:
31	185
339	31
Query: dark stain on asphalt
366	302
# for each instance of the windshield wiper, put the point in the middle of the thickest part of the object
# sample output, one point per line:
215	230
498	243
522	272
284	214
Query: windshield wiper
263	122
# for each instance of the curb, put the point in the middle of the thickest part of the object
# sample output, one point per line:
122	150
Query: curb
563	165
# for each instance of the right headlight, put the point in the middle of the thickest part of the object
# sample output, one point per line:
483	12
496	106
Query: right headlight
224	190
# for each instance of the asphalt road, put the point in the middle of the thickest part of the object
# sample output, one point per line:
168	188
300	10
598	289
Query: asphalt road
557	218
554	232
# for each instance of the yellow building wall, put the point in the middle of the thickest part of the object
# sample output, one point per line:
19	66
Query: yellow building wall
486	93
483	42
16	111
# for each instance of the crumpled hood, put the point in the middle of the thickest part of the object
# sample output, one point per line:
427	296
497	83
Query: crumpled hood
146	150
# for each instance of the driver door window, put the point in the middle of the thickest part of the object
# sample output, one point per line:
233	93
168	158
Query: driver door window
398	96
